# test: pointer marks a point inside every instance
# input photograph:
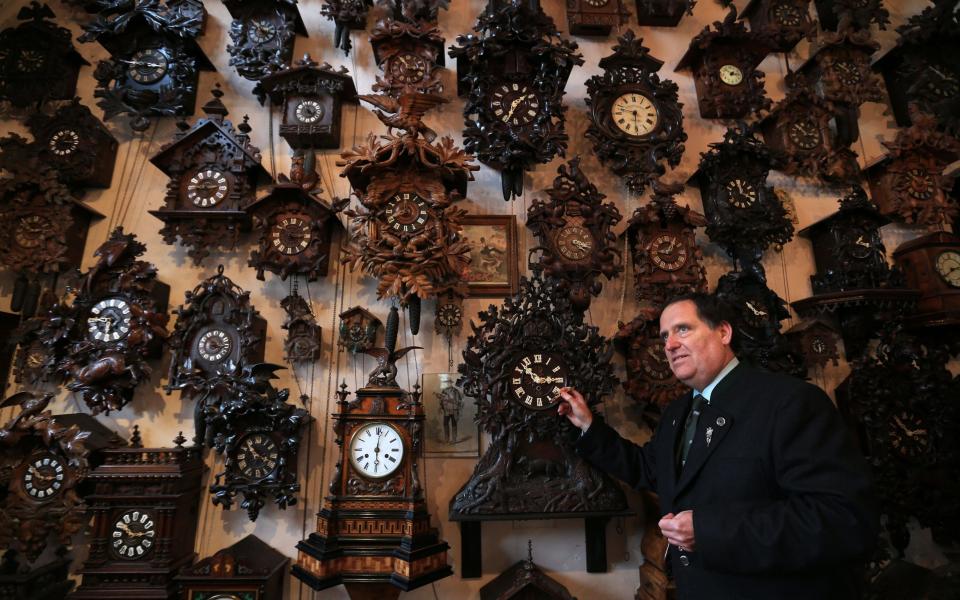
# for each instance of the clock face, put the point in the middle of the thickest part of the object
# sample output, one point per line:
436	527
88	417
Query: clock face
257	456
940	83
215	345
731	75
634	114
406	213
536	380
261	30
574	242
755	313
133	534
818	345
147	66
376	450
30	61
109	320
31	231
860	244
407	67
805	134
515	104
918	183
948	266
207	188
44	476
654	363
909	436
309	111
667	252
449	315
847	72
64	142
740	193
787	15
291	235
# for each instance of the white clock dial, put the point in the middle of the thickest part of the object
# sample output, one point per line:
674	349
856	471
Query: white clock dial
376	450
133	534
109	320
309	111
731	74
948	265
634	114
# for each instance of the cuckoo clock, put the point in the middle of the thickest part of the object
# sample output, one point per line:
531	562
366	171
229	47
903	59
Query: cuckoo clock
856	14
311	98
145	514
514	364
743	213
663	13
513	72
295	229
931	264
650	381
373	532
839	70
346	15
853	281
817	340
783	22
33	359
574	229
908	184
262	35
303	333
214	171
358	330
449	315
595	17
757	313
524	580
76	144
154	62
635	119
45	460
918	72
251	569
724	63
666	258
37	59
407	234
802	129
119	317
217	331
410	55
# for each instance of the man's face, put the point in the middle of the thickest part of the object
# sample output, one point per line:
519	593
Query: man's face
696	352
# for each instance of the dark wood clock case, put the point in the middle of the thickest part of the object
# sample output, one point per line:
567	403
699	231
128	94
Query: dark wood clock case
595	17
76	144
784	22
663	13
931	264
410	55
346	15
262	35
358	329
817	340
858	14
304	335
251	569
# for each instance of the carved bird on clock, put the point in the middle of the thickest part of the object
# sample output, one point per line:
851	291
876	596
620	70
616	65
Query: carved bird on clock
386	372
406	112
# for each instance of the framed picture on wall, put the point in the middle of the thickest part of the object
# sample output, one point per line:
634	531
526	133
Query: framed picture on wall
449	428
494	267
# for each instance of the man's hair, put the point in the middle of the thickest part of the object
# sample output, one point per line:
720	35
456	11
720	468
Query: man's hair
711	309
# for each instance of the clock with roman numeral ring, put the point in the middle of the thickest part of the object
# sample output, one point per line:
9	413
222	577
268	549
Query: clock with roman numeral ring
109	320
132	534
207	187
291	235
406	213
515	104
376	450
536	379
43	477
634	114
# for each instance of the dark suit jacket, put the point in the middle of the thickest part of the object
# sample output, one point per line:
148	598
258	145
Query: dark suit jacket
782	501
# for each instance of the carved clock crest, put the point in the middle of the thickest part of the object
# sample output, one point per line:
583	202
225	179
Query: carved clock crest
724	63
262	35
636	122
346	15
214	171
513	72
783	22
574	229
410	55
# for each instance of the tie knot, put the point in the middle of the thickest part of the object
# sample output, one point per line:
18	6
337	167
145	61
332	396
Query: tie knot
698	400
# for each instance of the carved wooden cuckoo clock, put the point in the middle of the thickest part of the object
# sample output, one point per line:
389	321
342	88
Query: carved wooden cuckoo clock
262	35
724	63
346	15
595	17
214	171
30	364
666	258
817	340
45	460
154	62
311	97
802	129
304	335
931	264
918	72
373	532
408	234
574	229
744	215
358	329
663	13
513	72
783	22
410	55
635	119
908	184
119	320
519	357
217	331
858	14
145	514
38	61
251	569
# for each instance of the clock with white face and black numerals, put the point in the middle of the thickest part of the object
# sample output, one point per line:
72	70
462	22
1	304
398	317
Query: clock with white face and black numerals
536	379
109	320
44	476
132	535
376	450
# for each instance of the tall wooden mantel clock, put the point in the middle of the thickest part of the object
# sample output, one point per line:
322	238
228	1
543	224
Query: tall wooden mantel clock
519	357
374	533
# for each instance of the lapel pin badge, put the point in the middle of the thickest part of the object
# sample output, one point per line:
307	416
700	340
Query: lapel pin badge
721	421
709	435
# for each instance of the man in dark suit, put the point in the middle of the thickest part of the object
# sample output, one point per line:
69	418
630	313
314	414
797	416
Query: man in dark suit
764	495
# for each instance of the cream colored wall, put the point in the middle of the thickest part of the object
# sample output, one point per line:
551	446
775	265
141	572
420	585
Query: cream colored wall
558	545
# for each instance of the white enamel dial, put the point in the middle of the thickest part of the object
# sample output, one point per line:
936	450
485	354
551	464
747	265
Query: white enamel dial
376	450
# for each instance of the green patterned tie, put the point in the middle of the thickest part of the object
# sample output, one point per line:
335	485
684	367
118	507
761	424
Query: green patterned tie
690	429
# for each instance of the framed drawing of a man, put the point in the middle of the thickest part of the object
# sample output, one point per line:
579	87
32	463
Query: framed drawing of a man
494	268
450	429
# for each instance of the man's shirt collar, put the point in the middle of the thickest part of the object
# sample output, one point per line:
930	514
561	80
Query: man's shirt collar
707	391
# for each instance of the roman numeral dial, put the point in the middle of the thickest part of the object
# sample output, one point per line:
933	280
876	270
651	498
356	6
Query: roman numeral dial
376	450
634	114
536	379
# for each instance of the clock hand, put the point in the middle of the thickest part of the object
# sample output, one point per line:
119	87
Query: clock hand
861	242
581	244
758	313
673	244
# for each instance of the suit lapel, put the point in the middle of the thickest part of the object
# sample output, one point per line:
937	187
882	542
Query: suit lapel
714	424
671	429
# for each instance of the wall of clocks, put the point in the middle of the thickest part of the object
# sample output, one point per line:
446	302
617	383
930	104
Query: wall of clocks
138	187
